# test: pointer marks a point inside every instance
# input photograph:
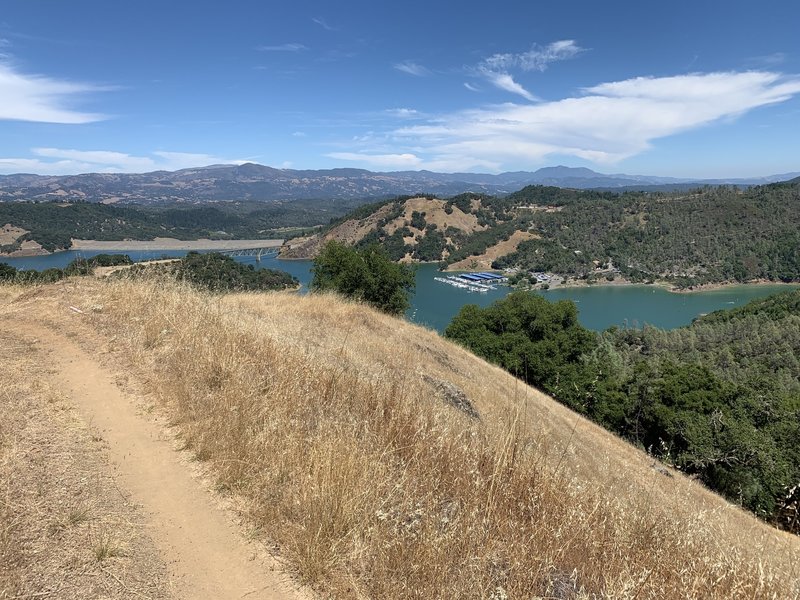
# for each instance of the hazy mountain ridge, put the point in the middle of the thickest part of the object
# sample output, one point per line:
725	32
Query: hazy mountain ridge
256	182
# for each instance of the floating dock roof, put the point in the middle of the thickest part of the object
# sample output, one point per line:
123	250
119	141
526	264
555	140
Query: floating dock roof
470	277
491	275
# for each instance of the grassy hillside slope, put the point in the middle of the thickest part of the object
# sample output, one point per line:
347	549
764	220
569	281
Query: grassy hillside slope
423	229
386	462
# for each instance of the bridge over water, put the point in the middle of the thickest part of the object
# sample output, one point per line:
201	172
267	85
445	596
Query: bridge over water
266	251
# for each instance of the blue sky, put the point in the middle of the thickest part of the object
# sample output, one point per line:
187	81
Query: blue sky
689	89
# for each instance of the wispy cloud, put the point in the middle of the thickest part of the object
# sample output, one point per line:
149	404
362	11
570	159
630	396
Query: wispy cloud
498	67
323	23
538	58
605	124
769	60
289	47
336	54
471	88
506	82
412	68
60	161
27	97
403	113
386	161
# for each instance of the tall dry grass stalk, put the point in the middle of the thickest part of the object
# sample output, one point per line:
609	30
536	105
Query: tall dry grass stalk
10	548
319	415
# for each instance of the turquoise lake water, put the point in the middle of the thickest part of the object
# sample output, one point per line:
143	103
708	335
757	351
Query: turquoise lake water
434	304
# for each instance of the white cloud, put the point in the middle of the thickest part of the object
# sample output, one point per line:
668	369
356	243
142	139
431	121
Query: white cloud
608	123
104	158
172	161
471	88
769	60
323	23
496	69
299	134
412	68
39	167
289	47
504	81
403	113
26	97
392	161
59	161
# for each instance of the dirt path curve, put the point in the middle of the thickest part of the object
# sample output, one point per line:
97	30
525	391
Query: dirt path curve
206	554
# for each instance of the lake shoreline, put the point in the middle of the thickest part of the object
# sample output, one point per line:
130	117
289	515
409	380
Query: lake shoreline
667	286
154	245
173	244
434	304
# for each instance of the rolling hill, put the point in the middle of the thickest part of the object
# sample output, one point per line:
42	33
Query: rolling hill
340	435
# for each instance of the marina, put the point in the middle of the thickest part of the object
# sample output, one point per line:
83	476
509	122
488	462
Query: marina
474	282
459	283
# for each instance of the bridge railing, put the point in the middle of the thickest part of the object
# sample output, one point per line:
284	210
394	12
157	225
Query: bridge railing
259	253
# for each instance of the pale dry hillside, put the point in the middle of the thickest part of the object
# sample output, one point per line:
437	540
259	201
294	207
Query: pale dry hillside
347	438
388	219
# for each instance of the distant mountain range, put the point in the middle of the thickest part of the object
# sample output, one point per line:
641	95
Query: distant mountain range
253	182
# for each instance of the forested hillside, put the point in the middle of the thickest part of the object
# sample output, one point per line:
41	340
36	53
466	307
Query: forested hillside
719	400
709	235
53	225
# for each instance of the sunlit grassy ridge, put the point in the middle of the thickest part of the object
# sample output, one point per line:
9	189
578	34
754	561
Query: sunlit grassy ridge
329	421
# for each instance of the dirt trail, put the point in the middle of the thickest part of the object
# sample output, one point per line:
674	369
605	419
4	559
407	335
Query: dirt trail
206	554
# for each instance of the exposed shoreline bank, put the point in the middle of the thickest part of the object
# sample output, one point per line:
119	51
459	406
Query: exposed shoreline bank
148	245
174	244
668	287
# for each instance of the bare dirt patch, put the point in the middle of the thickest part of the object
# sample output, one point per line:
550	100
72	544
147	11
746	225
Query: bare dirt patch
173	244
485	260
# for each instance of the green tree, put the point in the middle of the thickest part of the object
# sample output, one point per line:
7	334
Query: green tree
365	274
7	272
539	341
221	273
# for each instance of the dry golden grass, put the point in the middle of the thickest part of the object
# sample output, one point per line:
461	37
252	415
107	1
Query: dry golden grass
435	215
65	529
492	253
10	234
326	419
